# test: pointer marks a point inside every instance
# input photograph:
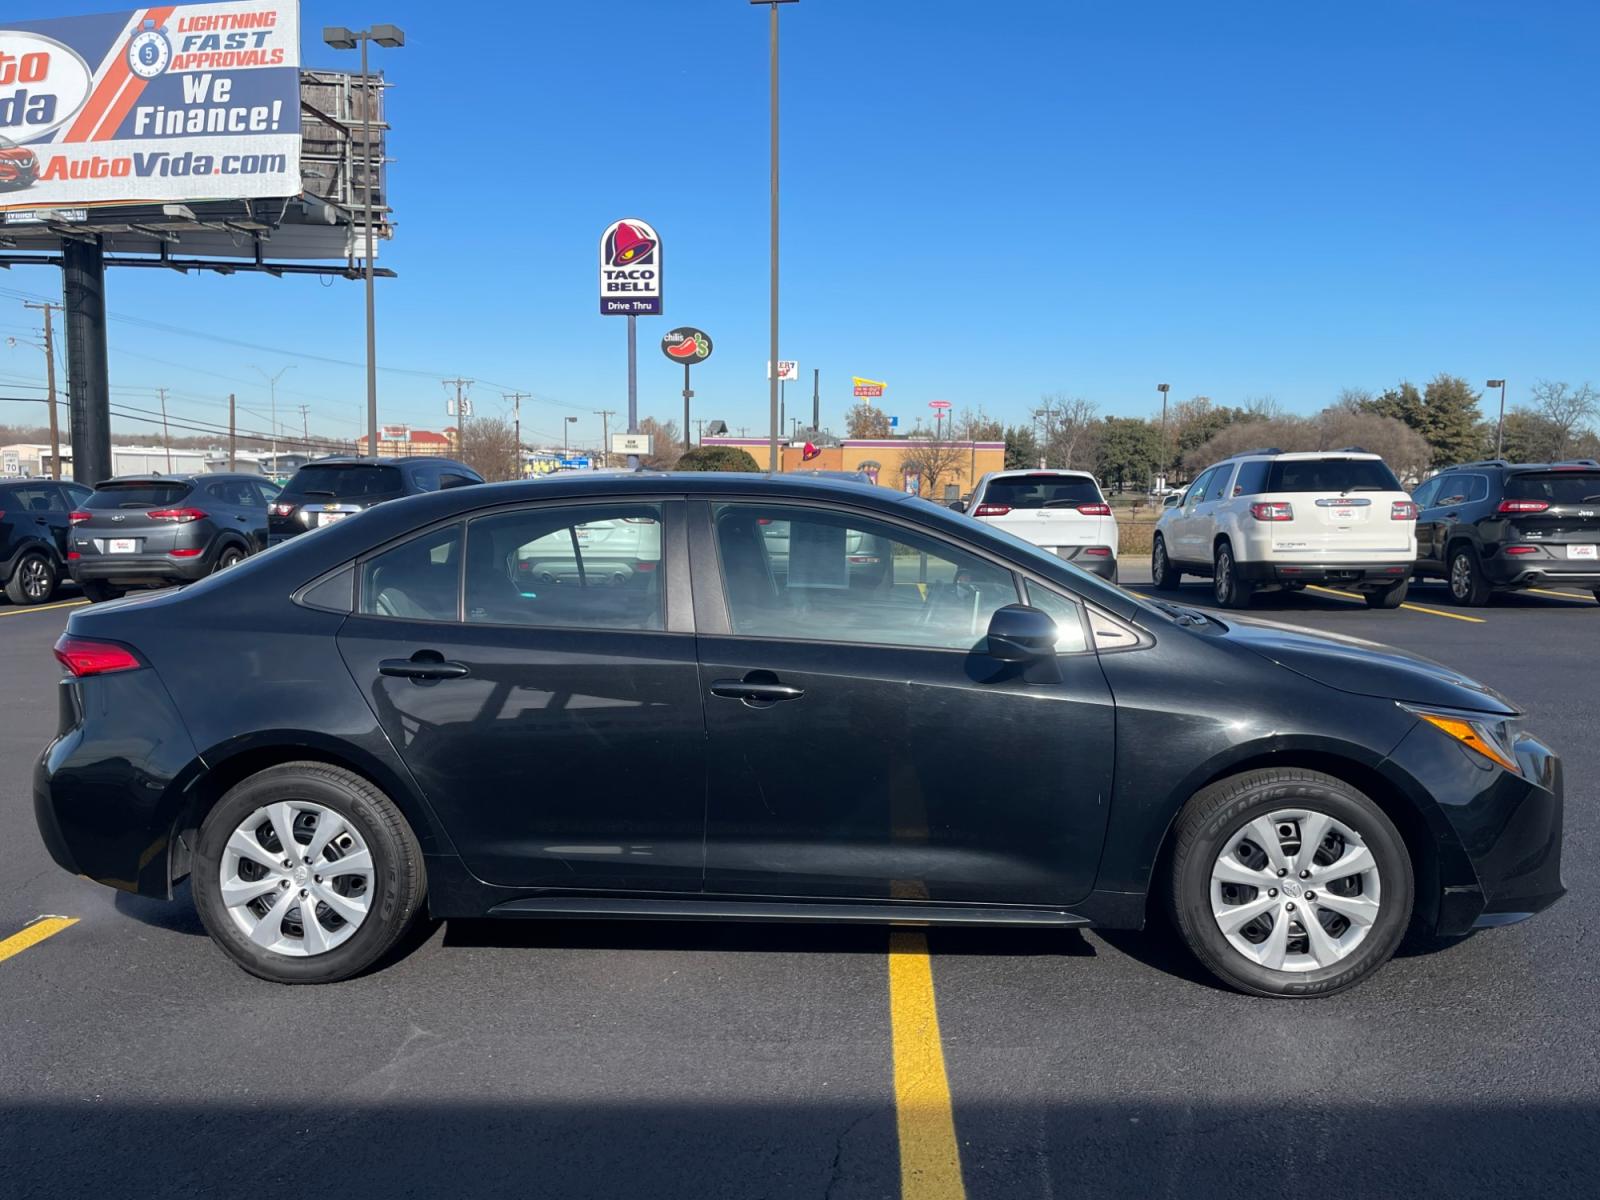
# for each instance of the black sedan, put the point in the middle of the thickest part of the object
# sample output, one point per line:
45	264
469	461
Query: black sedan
387	716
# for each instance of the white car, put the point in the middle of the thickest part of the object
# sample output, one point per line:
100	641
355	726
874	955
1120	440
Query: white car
1063	512
1265	519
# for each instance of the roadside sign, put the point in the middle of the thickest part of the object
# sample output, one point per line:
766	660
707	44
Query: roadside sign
939	405
633	443
894	422
630	270
397	433
870	388
686	345
574	464
786	371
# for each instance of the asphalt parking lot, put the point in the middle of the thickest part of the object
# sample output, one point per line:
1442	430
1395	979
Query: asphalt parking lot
569	1059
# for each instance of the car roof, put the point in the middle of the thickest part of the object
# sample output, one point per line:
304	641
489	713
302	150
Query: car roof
1570	464
1300	455
393	460
1023	472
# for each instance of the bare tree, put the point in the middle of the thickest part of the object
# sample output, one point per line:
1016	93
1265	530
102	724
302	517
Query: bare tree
976	425
1068	421
491	449
1354	399
862	420
1568	409
934	457
1405	450
1263	408
667	447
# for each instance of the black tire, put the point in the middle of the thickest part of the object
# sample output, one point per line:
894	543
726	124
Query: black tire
231	556
1597	595
1229	589
1215	815
33	579
1163	574
1464	577
398	880
96	592
1392	596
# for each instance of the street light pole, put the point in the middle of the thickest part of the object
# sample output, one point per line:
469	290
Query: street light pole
1500	427
1166	457
345	39
272	384
773	418
565	451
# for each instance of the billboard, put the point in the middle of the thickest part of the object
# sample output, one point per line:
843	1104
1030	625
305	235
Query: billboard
170	102
630	269
870	388
787	370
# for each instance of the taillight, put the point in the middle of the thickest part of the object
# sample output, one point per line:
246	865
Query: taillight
1098	551
78	518
282	510
82	657
1403	510
991	510
181	515
1523	506
1275	510
1095	510
1522	549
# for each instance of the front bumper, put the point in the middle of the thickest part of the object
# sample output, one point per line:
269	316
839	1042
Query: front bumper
136	569
1496	834
1359	575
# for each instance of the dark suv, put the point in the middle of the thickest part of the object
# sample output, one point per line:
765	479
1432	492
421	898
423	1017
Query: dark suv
331	489
33	536
1495	525
156	530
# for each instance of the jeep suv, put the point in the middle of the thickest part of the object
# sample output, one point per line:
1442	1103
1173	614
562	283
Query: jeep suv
331	489
1495	525
1064	512
1265	519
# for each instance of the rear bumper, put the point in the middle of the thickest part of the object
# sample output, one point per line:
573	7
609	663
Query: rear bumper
1357	575
140	568
1103	564
1550	565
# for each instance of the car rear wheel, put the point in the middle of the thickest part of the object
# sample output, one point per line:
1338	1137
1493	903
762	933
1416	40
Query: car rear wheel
306	873
33	580
1289	883
1163	574
1468	585
1231	591
231	556
96	592
1392	596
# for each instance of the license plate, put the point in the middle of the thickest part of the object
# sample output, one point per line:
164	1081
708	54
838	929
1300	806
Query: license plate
1344	514
328	518
1581	552
122	546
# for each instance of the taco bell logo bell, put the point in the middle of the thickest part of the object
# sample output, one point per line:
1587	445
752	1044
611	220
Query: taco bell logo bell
630	270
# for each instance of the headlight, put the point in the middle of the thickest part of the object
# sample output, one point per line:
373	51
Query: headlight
1482	733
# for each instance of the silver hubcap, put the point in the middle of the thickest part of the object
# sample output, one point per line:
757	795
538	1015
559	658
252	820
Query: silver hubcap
296	878
1224	576
1160	567
35	579
1461	575
1295	890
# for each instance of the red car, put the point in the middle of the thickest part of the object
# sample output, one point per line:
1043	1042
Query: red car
19	167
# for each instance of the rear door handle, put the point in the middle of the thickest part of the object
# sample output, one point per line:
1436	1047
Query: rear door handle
755	691
419	667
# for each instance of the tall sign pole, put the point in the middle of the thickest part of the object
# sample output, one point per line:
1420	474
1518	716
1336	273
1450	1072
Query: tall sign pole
774	420
816	398
630	286
686	345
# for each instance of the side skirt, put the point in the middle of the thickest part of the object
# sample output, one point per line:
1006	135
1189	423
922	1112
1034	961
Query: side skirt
759	909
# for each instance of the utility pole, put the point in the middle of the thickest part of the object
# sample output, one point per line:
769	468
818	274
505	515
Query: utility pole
816	398
516	425
461	413
700	431
50	382
166	436
272	386
605	416
233	438
1500	426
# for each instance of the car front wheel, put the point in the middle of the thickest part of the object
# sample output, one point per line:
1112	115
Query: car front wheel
1289	882
306	873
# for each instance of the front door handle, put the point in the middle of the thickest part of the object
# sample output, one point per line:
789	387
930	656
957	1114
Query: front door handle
765	690
425	664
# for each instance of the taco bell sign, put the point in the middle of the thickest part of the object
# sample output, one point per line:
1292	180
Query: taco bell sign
630	270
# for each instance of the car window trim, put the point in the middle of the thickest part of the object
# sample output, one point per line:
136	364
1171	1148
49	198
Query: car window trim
707	566
1083	613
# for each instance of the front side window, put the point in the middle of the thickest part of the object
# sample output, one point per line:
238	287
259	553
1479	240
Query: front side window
418	580
1197	490
1452	490
591	567
816	575
1423	496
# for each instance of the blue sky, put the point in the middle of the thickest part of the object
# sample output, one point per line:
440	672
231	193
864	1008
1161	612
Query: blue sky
981	204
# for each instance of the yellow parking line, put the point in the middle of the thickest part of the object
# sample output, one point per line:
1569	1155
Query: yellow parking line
1563	595
33	608
32	935
930	1160
1437	612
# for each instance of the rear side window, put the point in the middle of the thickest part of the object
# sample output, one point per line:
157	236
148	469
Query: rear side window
418	580
1331	475
138	495
1042	491
34	499
1555	487
426	477
334	482
451	479
1252	479
237	492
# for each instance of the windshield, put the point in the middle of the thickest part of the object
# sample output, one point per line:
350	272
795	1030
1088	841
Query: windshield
1041	491
137	495
1331	475
1556	487
338	482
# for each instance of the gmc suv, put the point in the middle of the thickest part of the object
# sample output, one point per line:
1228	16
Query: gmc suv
1499	526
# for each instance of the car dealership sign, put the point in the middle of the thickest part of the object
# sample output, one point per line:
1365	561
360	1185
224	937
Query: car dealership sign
164	103
630	270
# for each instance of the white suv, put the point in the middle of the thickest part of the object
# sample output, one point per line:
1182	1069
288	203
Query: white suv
1063	512
1265	519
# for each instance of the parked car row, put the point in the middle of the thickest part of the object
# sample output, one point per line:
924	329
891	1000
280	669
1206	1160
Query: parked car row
143	531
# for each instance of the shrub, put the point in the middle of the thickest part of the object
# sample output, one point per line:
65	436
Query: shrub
717	458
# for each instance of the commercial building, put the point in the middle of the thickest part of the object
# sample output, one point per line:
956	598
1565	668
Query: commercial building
898	463
402	441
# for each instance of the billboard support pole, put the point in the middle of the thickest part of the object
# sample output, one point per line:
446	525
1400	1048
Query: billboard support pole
83	292
633	384
687	395
816	400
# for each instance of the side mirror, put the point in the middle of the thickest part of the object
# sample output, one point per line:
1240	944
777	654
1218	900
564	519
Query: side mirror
1019	634
958	505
